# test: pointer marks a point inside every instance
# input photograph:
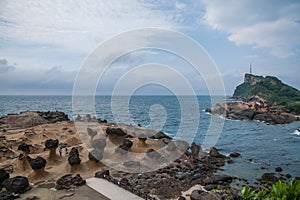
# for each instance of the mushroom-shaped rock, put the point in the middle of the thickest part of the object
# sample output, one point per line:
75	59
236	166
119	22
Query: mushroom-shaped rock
52	146
18	184
24	147
51	143
3	176
68	181
142	140
73	158
115	131
23	163
95	155
37	163
215	153
99	143
91	132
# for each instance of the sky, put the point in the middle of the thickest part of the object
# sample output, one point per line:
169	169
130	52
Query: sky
43	44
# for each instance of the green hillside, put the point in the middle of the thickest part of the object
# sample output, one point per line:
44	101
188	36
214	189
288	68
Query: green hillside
271	89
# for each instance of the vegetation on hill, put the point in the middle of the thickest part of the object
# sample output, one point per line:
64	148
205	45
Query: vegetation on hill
273	90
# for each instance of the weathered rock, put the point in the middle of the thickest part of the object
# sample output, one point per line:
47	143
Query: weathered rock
95	155
51	143
73	158
99	143
127	144
91	132
215	153
69	181
102	174
235	155
132	164
7	196
151	153
18	184
268	178
160	135
181	198
115	131
3	176
195	150
223	178
37	163
278	169
32	118
24	147
202	195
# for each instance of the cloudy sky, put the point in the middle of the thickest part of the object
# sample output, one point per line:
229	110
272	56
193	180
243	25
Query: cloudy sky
44	43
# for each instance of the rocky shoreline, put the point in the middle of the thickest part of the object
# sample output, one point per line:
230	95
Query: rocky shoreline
30	145
254	108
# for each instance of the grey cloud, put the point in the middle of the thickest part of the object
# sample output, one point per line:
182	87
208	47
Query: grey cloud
5	67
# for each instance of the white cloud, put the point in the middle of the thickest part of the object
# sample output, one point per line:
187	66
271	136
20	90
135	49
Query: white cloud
74	25
273	25
5	67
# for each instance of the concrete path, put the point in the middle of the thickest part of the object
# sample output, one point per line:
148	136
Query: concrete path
110	190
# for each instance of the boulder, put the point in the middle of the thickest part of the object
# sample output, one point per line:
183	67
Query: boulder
160	135
151	153
115	131
278	169
127	144
268	178
73	158
69	181
91	132
99	143
51	143
24	147
95	155
235	155
215	153
18	184
102	174
202	195
37	163
3	176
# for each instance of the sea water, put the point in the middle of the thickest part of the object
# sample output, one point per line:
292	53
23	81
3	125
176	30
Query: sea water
263	147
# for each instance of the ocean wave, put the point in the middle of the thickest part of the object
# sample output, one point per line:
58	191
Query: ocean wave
296	132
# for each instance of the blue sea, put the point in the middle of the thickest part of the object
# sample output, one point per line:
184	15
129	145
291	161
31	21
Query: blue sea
261	145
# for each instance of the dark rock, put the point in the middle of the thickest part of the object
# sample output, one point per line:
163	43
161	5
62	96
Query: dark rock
37	163
33	198
288	175
7	196
195	150
215	153
73	158
201	195
210	187
181	198
115	131
69	181
24	147
18	184
53	117
268	178
95	155
91	132
51	143
278	169
151	153
102	174
99	143
127	144
235	155
3	176
160	135
223	178
124	181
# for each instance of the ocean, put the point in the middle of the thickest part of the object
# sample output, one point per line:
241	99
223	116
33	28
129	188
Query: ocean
262	147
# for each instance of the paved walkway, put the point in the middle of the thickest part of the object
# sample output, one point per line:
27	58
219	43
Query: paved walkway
110	190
